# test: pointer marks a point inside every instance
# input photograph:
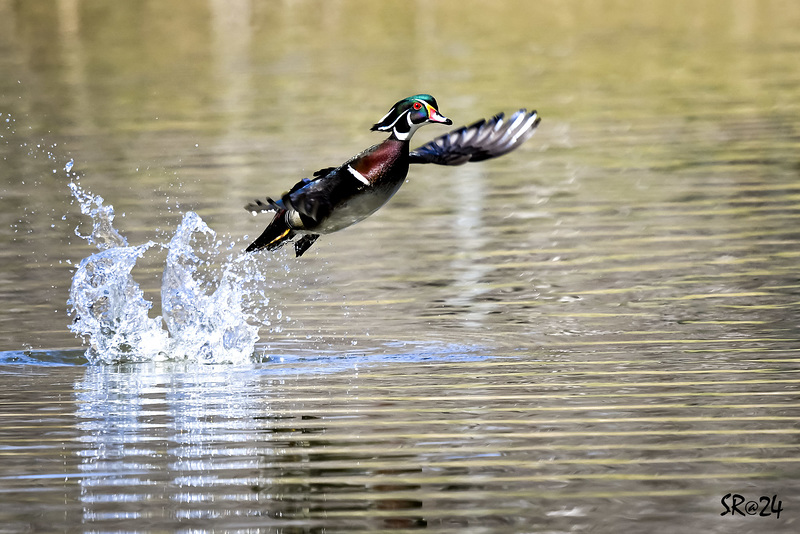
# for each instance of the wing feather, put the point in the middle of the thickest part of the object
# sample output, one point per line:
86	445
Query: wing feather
479	141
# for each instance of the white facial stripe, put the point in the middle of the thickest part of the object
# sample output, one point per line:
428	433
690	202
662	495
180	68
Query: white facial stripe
426	106
407	113
386	117
429	109
403	136
394	122
358	176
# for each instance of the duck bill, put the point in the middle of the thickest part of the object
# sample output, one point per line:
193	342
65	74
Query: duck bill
435	116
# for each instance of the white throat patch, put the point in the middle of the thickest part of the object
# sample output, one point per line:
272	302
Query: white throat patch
405	136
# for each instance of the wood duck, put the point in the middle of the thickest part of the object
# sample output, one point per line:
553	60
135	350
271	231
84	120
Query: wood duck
337	197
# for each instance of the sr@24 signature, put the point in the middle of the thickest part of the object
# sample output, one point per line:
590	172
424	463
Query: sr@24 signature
766	506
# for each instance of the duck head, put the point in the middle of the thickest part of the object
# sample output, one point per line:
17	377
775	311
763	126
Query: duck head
409	114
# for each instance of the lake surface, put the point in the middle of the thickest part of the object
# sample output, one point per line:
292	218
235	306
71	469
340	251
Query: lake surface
596	333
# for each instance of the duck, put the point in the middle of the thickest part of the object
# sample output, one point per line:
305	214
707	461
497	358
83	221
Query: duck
335	198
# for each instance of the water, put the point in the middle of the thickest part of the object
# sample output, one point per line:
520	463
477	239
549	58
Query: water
202	320
596	333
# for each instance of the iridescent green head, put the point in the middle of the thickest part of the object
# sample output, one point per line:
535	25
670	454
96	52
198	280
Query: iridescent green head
409	114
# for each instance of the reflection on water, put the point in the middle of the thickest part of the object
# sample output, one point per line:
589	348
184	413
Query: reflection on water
217	443
148	437
424	438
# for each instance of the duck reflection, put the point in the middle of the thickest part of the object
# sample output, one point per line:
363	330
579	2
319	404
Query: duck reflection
169	444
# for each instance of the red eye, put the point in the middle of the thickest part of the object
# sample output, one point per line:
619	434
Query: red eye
417	106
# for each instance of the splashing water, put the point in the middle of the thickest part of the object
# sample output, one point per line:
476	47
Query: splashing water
202	321
208	327
103	235
111	311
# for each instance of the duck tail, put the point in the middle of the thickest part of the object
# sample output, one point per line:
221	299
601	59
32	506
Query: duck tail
276	234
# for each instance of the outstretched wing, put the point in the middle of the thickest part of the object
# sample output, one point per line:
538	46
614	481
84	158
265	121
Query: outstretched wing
479	141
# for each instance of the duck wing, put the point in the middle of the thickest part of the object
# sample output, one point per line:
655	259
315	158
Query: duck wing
479	141
260	206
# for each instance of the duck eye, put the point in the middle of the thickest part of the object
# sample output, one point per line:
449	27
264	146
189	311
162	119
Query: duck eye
417	106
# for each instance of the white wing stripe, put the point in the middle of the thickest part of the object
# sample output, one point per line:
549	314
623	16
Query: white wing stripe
358	176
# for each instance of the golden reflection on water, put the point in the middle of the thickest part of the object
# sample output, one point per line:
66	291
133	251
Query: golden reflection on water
596	332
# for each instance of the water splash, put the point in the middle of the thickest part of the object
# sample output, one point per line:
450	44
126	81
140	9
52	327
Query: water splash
110	310
203	320
209	327
103	235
